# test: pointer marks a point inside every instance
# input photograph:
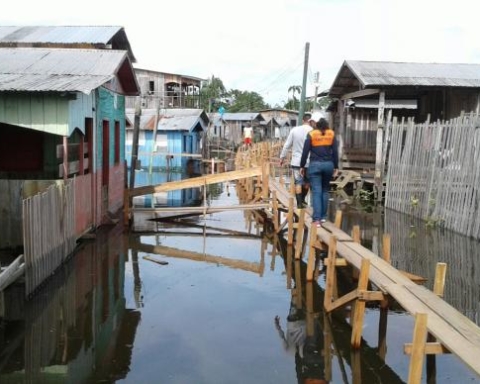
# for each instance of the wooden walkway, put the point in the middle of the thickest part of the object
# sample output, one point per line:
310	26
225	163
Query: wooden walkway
439	328
453	331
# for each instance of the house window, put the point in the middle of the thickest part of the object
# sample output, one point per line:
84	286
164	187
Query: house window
215	130
151	86
117	142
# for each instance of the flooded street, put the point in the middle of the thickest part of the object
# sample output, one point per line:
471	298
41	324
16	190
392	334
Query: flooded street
217	299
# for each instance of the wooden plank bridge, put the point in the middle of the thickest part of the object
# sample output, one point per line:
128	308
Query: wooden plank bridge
439	328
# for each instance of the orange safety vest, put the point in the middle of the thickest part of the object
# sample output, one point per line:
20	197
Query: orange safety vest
322	140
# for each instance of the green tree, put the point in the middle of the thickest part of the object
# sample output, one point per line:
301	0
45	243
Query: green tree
211	93
245	101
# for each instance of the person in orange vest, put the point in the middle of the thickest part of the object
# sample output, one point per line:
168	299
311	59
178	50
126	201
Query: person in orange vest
322	147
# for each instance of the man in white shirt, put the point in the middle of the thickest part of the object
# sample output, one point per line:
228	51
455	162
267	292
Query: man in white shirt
295	140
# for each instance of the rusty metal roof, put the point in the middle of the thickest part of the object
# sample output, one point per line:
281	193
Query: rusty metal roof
357	75
113	37
55	69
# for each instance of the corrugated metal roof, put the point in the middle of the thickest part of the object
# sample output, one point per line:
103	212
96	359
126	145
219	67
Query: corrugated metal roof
58	34
378	73
51	69
97	36
170	119
243	116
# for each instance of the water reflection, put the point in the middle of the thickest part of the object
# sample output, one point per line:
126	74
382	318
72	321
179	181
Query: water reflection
76	329
417	248
321	341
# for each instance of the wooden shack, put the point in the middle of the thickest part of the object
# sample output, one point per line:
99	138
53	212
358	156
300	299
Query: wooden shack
364	93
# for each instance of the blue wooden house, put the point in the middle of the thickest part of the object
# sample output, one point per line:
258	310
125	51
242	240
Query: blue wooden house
62	132
167	139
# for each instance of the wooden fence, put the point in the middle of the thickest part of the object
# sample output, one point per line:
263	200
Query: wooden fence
434	172
48	232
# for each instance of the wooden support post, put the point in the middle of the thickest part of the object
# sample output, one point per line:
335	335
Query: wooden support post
382	324
386	249
311	253
440	273
290	221
327	344
418	349
289	265
356	239
358	318
300	232
331	273
438	289
298	284
338	219
276	222
356	362
265	180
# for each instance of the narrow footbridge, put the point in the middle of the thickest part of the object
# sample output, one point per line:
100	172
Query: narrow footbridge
439	328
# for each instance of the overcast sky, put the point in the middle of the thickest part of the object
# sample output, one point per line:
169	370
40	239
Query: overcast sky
259	45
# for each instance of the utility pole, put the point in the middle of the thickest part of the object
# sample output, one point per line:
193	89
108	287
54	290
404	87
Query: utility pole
304	85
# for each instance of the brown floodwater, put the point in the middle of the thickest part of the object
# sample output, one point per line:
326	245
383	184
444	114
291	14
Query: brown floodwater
218	299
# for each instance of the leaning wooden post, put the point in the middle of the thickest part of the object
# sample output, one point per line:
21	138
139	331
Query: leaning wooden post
418	349
290	221
382	324
311	253
359	315
300	232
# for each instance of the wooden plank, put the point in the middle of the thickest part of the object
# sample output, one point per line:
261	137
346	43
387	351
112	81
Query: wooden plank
196	181
457	321
335	231
464	348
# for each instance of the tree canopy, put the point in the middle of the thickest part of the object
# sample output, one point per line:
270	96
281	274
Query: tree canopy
214	95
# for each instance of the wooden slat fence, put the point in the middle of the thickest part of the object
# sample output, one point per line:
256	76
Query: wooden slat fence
48	232
434	173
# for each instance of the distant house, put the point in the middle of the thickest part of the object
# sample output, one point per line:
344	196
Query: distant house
366	91
218	126
236	122
166	90
176	136
62	122
285	119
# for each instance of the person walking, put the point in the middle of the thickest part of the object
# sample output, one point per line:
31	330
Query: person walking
322	147
295	141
